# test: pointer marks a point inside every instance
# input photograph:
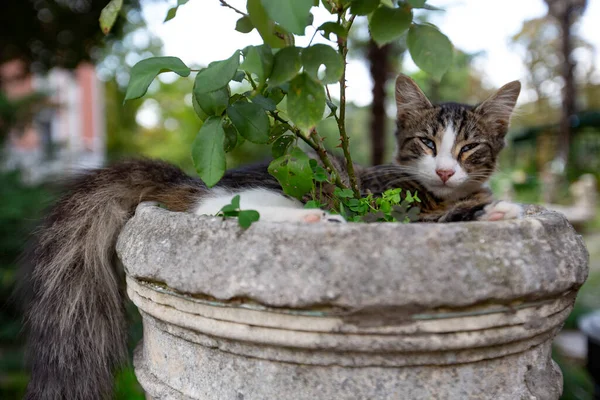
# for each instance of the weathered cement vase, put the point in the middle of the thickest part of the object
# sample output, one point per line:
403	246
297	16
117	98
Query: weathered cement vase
354	311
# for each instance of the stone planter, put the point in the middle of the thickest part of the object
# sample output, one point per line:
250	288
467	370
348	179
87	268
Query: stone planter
355	311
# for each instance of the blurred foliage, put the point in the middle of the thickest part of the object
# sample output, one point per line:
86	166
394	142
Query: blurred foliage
20	209
51	33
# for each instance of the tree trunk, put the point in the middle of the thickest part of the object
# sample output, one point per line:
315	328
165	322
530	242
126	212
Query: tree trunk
568	95
379	65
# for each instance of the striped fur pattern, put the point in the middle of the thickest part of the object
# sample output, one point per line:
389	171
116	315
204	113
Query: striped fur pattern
446	152
75	316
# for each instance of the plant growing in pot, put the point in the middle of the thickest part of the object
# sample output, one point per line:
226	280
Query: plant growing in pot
445	155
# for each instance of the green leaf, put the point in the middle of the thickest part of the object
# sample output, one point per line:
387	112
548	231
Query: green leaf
363	7
430	49
321	54
281	145
332	106
277	130
239	76
232	208
143	73
272	35
258	60
250	121
328	4
212	103
331	27
293	173
231	136
312	204
208	153
343	193
306	101
275	94
266	103
173	10
247	217
388	24
244	25
293	15
217	74
286	65
109	15
199	111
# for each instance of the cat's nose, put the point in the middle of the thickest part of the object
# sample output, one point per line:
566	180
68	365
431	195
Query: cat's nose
444	174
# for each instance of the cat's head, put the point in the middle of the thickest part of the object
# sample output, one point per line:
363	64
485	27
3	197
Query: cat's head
450	148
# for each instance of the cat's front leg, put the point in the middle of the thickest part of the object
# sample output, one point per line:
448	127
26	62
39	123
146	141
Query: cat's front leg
494	211
302	215
500	211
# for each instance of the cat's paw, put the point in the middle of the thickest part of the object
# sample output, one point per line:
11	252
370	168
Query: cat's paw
500	211
312	216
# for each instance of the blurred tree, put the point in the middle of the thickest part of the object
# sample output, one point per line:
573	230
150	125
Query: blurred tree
566	12
384	63
48	33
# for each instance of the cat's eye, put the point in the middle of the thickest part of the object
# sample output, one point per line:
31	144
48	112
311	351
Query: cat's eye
468	147
428	142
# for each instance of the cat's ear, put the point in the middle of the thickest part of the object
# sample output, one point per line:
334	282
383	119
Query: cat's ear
408	96
498	108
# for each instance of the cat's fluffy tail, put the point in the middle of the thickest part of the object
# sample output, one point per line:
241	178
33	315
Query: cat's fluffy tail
75	314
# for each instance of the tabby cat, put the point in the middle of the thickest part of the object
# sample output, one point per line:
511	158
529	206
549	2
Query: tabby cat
75	314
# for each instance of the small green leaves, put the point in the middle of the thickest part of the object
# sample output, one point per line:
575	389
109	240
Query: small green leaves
266	103
258	60
244	25
388	24
272	35
213	103
217	74
292	15
281	145
363	7
331	27
286	65
208	153
231	137
430	49
293	172
245	217
143	73
109	15
173	10
306	101
318	54
250	121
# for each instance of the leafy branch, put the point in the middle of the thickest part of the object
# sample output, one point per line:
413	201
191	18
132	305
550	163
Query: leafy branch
279	69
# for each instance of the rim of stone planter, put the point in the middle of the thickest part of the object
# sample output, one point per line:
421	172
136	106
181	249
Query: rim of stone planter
348	268
349	295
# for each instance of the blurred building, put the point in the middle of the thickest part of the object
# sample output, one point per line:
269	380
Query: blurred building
65	131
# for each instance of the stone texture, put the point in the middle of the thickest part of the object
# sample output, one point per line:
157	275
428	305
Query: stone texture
379	311
355	266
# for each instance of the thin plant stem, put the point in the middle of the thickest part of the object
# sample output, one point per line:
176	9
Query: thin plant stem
225	4
317	146
341	121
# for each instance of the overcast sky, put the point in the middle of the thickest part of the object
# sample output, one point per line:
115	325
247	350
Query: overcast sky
203	32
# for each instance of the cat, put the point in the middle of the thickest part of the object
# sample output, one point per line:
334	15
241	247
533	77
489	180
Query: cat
74	295
447	153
